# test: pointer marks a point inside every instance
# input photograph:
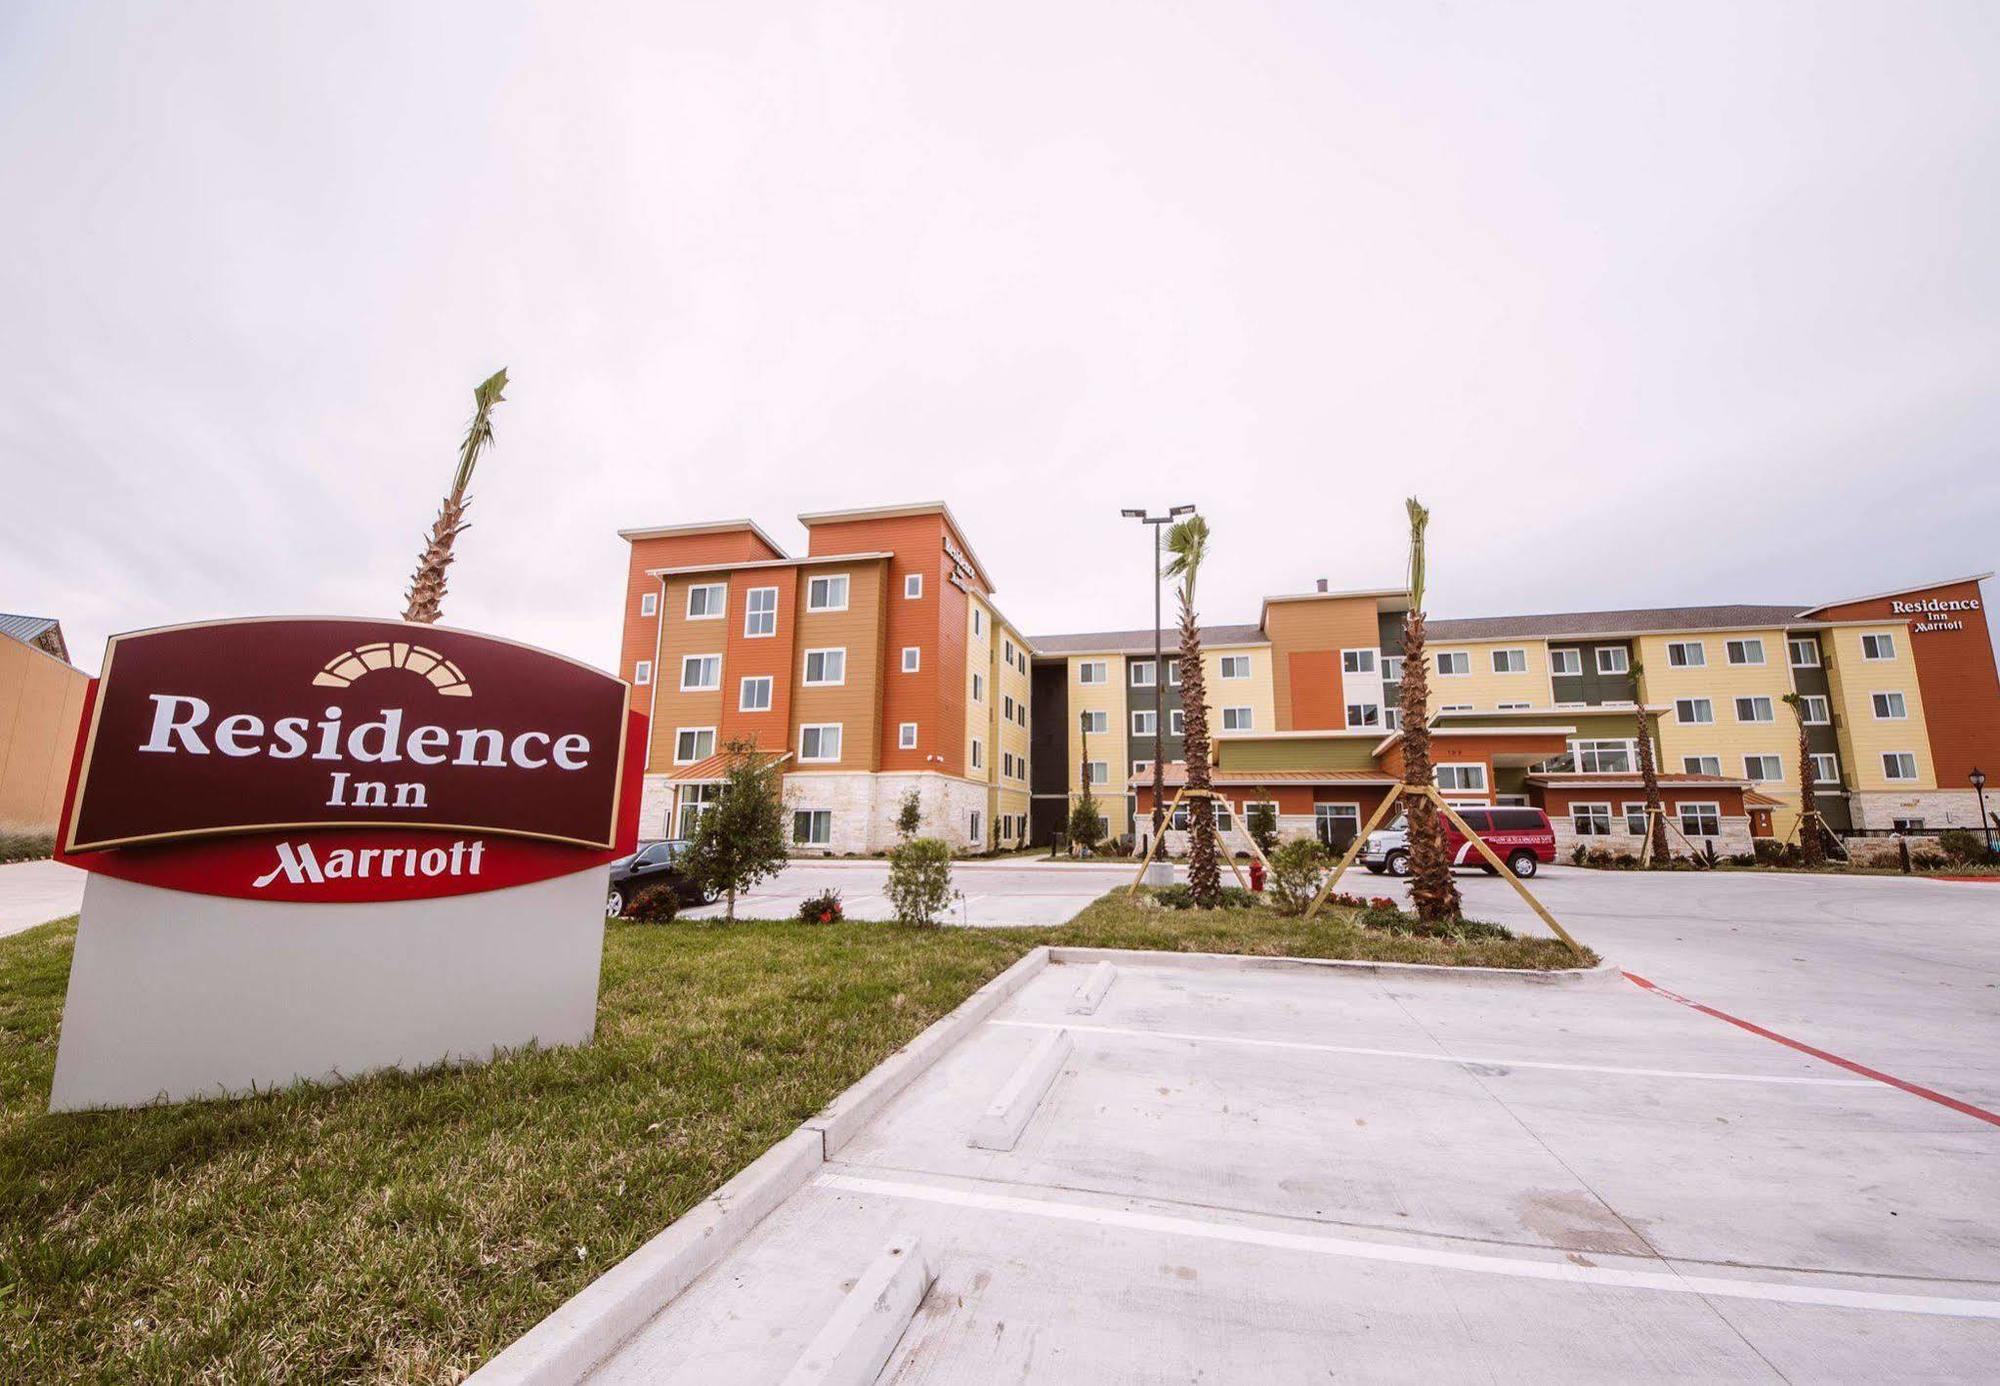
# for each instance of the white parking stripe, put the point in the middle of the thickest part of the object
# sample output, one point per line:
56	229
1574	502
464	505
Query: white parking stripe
1446	1058
1605	1277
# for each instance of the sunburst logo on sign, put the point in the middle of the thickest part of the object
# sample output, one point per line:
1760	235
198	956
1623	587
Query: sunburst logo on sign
350	666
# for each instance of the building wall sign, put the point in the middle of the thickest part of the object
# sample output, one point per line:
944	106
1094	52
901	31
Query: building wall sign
402	831
1936	613
963	575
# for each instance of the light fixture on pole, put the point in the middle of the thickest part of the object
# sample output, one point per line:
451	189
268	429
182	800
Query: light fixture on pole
1158	522
1979	787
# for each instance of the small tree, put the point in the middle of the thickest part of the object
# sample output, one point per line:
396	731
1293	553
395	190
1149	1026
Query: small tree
740	839
1188	543
910	817
1296	871
1262	821
1431	885
919	886
1086	824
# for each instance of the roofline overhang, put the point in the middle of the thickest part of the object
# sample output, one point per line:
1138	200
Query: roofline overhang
1975	579
892	512
703	527
815	561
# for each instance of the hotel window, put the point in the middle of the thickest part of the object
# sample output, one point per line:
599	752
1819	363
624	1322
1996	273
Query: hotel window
1515	707
1091	671
1510	661
812	827
1461	779
1763	769
1173	673
1142	673
978	621
1007	707
1336	824
1392	668
1143	723
1745	651
1693	711
1097	722
978	688
825	667
1454	662
642	672
1179	822
760	612
754	694
913	586
1392	718
1100	771
1612	659
1826	767
827	593
1686	654
978	754
649	603
700	672
1907	825
1354	662
906	736
1236	666
1006	765
1899	765
1804	653
1701	820
708	601
1176	719
1142	769
1756	709
972	825
1590	820
1635	817
692	744
1236	719
1889	707
1007	652
1456	707
1568	661
1603	757
913	658
696	799
820	743
1878	647
1364	714
1701	765
1813	705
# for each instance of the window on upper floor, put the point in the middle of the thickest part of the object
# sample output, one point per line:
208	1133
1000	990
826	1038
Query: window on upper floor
1364	714
1091	671
1392	668
1566	661
1613	659
1454	662
1813	705
827	593
1889	707
707	601
1701	765
1237	719
1899	765
1236	666
1881	646
1764	769
649	603
699	672
1686	654
1357	661
760	612
913	585
1744	651
1097	722
1757	709
1693	711
1140	671
1804	652
1510	661
825	667
642	672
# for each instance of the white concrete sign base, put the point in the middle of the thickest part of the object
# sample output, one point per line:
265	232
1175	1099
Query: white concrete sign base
179	996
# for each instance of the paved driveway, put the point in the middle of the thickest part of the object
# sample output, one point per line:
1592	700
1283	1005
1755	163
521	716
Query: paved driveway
34	892
996	892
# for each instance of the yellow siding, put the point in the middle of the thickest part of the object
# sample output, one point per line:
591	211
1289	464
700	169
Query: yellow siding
979	713
1108	745
1853	681
41	704
1722	683
1484	689
1010	796
1258	692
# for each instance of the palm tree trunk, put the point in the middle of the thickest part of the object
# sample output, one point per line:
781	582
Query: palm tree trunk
1204	872
1431	886
1812	845
1649	778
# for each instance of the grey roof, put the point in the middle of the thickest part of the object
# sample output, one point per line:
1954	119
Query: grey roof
28	629
1642	621
1141	641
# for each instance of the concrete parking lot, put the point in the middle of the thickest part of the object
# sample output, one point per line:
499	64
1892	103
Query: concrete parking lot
34	892
1278	1176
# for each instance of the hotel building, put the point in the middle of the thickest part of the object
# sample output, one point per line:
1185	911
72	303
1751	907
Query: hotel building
878	663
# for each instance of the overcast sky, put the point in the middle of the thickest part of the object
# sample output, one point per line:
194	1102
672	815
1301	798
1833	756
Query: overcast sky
1652	303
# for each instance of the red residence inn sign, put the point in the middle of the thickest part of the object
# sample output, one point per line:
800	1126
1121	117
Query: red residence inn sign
343	760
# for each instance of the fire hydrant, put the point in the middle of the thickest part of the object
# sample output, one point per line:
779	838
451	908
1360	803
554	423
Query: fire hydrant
1256	875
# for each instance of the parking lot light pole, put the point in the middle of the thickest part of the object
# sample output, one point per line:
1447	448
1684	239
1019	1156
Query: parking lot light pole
1158	522
1979	787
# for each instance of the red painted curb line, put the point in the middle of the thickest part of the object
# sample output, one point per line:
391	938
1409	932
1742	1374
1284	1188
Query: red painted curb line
1915	1089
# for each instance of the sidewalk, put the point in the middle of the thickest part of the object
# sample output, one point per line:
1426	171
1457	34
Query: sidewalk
34	892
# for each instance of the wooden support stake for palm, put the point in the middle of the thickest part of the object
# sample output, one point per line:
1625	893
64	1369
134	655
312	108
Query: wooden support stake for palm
1354	849
1493	860
1160	837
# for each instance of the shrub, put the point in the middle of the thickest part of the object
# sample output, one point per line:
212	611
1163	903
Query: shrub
1180	897
1086	824
654	905
909	815
1577	854
823	908
919	886
1383	913
1262	821
26	846
1771	852
1961	846
1296	870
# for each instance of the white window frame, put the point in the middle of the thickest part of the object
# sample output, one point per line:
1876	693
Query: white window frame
1599	816
973	825
1566	661
805	667
642	672
1620	662
1693	654
1515	707
1466	783
978	621
1745	646
978	754
1392	668
978	687
699	659
906	736
649	603
1794	644
1098	772
1755	778
1503	660
1702	765
1894	759
1100	721
1709	811
839	738
1143	721
1826	767
743	687
1635	812
721	603
1356	661
696	733
694	801
1363	719
1890	698
1173	673
1699	706
1462	658
753	616
913	658
1176	721
815	820
829	579
1818	712
1759	702
1323	813
1241	663
1245	718
1882	642
1139	673
913	586
1093	671
1006	707
1599	747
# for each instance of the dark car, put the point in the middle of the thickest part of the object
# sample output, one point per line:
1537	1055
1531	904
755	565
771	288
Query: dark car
654	864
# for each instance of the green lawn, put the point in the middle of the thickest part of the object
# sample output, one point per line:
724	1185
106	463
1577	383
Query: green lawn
406	1227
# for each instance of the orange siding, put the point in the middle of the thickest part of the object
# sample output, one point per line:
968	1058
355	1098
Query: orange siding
1308	689
674	709
748	656
639	634
856	703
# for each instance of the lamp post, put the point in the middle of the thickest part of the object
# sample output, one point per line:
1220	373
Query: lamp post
1979	787
1158	522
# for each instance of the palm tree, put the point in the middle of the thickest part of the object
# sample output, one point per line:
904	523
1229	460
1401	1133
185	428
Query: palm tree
1431	885
1649	777
1188	543
1812	850
426	592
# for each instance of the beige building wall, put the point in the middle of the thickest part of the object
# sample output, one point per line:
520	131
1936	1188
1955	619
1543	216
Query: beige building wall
980	719
1258	692
1864	738
1722	683
1481	686
1011	735
1108	745
41	699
